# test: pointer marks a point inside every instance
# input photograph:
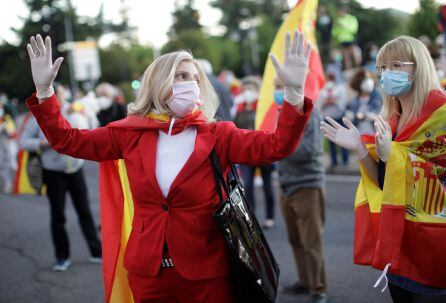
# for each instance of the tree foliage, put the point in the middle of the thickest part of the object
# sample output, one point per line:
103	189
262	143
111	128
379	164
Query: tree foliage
424	21
46	17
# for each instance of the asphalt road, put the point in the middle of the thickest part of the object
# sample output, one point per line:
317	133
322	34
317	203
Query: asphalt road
26	253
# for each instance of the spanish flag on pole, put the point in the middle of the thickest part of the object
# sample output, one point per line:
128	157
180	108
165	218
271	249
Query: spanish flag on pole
302	16
405	223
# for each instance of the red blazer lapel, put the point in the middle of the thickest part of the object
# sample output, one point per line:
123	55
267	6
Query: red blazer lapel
147	150
204	143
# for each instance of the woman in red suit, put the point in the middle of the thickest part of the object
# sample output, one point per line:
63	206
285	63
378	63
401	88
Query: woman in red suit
175	252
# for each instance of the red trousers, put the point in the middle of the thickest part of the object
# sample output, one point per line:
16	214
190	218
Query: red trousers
170	287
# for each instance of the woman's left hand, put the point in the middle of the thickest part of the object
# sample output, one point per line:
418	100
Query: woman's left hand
383	138
293	71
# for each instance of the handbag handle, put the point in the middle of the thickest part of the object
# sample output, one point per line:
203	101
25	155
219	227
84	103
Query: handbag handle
218	176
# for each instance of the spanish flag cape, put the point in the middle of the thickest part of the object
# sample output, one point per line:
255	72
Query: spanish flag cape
116	206
303	17
405	223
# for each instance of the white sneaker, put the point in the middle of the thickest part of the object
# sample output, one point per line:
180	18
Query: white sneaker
269	223
62	265
8	188
95	260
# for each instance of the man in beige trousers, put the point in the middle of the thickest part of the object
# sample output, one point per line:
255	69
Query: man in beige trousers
302	180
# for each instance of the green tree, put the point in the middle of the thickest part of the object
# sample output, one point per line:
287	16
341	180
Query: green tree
185	18
253	26
46	17
424	21
186	33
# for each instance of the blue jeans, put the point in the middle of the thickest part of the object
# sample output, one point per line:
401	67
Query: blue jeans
334	150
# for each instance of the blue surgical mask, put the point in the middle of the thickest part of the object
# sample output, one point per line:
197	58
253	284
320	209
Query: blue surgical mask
279	97
396	83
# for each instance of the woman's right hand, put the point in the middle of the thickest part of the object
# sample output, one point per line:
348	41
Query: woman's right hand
347	137
43	70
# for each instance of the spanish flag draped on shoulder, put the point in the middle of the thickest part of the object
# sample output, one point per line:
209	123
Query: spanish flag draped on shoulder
117	209
405	223
303	17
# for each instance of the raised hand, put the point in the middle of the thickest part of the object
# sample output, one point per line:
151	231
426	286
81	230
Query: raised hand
293	71
43	70
383	138
347	137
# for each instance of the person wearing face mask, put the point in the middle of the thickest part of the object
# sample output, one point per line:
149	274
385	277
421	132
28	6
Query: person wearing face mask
400	204
369	60
246	104
332	102
7	136
63	175
174	251
109	109
364	107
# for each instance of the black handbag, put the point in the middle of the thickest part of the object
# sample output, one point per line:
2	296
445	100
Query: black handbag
34	170
254	270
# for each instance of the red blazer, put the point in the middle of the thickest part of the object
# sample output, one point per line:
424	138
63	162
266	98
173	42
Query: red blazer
183	219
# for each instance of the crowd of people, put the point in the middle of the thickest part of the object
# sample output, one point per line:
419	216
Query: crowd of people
373	102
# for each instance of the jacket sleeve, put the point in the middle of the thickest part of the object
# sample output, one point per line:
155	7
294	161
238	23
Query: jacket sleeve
100	144
260	147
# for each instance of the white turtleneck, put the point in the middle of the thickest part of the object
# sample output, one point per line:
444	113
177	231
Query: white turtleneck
172	153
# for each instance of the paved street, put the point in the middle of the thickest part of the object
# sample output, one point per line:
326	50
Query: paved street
26	252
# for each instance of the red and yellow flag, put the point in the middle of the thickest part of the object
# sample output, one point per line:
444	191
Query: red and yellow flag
22	184
303	17
116	205
404	224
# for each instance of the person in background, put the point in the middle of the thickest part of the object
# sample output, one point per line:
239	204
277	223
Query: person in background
366	105
230	81
246	104
9	105
324	26
110	109
442	21
302	199
7	157
226	102
334	66
332	103
432	47
63	174
369	60
344	32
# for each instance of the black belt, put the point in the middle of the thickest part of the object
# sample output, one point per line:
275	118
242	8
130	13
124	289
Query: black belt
166	263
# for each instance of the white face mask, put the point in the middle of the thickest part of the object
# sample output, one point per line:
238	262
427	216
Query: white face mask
367	85
250	96
185	98
104	102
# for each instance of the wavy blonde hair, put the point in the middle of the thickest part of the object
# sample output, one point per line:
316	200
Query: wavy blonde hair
156	87
405	48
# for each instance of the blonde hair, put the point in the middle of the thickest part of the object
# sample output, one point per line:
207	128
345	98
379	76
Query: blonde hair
405	48
157	83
